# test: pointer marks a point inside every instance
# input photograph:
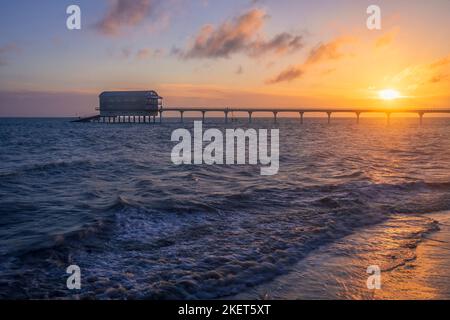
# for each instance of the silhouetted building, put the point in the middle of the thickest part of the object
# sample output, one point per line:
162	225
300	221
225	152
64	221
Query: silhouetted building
130	103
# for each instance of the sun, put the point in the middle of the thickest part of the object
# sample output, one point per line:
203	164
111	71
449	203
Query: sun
389	94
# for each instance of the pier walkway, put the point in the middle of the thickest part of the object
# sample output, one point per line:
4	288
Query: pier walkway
251	111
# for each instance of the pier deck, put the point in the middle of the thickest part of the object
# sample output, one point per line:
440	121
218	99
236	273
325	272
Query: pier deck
250	111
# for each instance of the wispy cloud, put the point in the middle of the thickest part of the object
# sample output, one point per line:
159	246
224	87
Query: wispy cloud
147	53
320	53
125	13
142	54
327	51
240	34
440	78
287	75
280	44
414	76
440	62
386	39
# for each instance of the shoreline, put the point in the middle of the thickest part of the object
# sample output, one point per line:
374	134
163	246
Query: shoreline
427	276
412	268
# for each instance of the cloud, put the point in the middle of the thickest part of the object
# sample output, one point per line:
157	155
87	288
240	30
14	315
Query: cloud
440	78
146	53
280	44
125	13
289	74
414	76
386	39
320	53
327	51
129	53
437	66
239	35
440	63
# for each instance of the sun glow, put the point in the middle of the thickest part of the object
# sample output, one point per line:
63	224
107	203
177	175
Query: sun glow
389	94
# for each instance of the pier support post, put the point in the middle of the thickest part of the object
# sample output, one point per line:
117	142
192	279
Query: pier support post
421	117
275	116
358	114
302	114
329	117
160	116
250	117
226	116
388	118
182	116
203	116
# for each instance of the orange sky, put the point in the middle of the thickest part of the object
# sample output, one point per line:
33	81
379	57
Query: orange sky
243	54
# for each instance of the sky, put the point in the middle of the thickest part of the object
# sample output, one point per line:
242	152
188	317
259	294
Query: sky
234	53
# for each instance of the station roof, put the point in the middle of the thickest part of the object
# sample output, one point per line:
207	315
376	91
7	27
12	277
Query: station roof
147	94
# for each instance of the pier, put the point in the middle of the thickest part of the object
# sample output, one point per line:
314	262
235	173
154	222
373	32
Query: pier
300	111
328	112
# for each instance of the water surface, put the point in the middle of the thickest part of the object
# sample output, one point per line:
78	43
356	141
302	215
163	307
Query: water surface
108	198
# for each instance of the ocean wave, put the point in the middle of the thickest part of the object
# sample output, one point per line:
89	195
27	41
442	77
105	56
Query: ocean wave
141	227
48	167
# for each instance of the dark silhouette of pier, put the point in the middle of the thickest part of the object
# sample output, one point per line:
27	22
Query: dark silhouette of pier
251	111
301	111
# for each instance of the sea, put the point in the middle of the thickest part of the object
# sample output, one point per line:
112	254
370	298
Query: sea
108	199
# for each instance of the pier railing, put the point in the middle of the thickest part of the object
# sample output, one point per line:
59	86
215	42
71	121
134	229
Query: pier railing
301	111
251	111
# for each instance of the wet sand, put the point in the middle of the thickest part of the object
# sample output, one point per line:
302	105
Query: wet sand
428	275
413	252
